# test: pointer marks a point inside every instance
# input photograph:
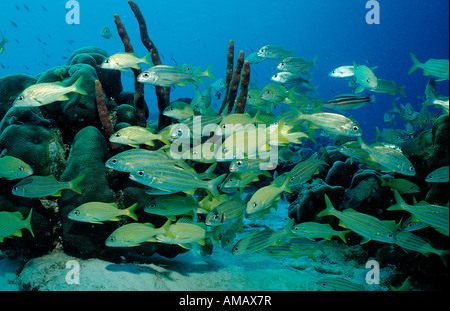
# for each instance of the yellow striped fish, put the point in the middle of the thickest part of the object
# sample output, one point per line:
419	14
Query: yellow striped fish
369	227
339	284
41	94
238	180
133	234
134	136
98	212
226	212
314	230
136	159
439	175
389	87
122	61
436	216
184	232
303	171
433	67
410	241
11	224
175	178
294	248
14	168
42	186
296	64
171	206
266	197
179	110
194	127
364	77
332	123
392	159
164	75
257	240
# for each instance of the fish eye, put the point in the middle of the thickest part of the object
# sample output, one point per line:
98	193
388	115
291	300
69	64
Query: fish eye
114	161
107	61
390	235
224	126
255	204
225	150
249	96
275	75
411	168
282	64
230	180
262	50
239	163
216	217
152	205
291	179
76	213
20	97
112	239
367	80
145	75
324	284
140	173
16	188
117	134
355	128
236	248
267	92
21	168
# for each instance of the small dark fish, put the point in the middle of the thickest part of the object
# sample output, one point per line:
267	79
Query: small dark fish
14	24
44	8
17	7
71	42
106	32
25	6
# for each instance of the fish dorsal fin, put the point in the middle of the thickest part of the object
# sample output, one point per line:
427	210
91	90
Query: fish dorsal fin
18	215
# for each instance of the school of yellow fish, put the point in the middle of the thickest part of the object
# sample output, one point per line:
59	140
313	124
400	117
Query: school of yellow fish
252	144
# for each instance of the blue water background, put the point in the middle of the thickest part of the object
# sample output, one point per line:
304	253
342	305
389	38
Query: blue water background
197	32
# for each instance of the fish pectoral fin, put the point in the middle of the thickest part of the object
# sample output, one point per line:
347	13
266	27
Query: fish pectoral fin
63	97
18	233
185	245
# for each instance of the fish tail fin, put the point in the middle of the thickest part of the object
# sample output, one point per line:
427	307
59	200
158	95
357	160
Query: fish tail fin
73	184
148	59
76	87
314	61
329	208
214	183
377	134
288	228
28	223
130	211
291	95
207	73
415	65
342	234
402	91
399	200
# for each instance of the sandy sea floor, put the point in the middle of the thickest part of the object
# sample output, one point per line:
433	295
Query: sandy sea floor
190	271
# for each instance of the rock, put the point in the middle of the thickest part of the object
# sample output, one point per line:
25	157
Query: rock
37	146
94	56
310	200
10	88
87	157
341	173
